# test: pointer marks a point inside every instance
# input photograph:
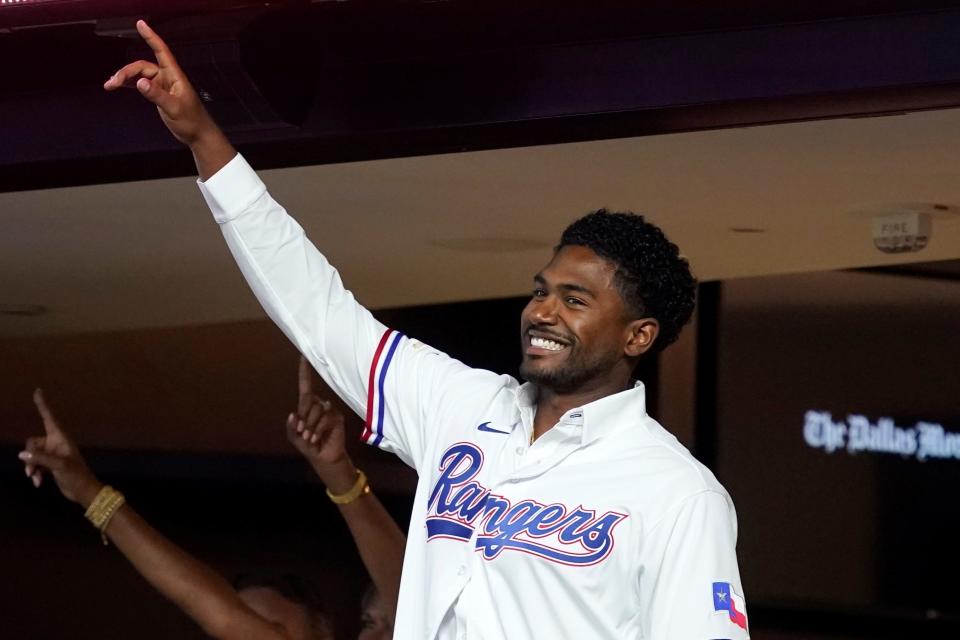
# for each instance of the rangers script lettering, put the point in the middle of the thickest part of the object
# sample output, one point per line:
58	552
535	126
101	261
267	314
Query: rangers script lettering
579	537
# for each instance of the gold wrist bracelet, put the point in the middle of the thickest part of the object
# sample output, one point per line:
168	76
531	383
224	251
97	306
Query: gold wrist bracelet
103	508
359	488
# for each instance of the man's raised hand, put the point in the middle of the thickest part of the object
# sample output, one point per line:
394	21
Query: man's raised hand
164	84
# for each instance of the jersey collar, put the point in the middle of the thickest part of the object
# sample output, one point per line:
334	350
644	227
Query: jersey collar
595	418
606	415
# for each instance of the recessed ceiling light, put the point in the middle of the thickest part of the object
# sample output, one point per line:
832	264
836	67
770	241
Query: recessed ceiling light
22	310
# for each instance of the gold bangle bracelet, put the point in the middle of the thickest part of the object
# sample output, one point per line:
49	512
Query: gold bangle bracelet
359	488
102	509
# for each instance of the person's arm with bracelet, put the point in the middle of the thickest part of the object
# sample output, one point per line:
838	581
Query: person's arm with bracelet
320	438
195	588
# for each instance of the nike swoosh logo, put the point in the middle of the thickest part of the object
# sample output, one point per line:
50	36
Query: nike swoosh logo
485	427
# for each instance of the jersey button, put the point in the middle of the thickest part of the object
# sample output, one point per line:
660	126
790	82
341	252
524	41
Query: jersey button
462	570
519	451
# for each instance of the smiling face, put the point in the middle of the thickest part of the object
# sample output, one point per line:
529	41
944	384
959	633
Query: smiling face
576	333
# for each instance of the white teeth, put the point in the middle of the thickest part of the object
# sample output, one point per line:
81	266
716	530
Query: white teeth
543	343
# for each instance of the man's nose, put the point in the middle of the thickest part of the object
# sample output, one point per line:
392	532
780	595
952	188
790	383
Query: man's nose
544	311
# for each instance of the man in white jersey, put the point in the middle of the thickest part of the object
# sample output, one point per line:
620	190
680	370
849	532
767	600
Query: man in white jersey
552	509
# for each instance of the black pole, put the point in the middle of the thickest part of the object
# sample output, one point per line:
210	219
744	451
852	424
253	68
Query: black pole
708	344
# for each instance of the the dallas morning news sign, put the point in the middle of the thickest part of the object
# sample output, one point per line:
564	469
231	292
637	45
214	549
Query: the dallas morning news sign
856	434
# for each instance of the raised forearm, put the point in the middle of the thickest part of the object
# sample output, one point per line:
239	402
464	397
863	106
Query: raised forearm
378	538
195	588
198	590
298	288
380	543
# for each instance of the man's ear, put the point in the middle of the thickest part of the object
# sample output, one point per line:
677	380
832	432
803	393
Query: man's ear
640	337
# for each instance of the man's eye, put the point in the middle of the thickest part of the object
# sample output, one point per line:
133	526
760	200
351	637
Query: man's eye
539	293
576	301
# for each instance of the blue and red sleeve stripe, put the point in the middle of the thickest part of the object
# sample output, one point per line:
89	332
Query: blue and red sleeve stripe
376	402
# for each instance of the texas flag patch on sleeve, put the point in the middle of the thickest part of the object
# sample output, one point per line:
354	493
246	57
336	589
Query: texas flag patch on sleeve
726	600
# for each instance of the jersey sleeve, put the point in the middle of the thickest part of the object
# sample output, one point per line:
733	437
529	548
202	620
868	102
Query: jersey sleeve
689	581
392	382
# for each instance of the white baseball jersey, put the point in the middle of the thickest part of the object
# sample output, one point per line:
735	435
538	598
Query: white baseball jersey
605	527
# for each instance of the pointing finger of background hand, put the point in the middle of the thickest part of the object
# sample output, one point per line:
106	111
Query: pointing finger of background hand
304	377
49	421
304	404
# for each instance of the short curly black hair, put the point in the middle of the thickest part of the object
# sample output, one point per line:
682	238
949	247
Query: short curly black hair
653	278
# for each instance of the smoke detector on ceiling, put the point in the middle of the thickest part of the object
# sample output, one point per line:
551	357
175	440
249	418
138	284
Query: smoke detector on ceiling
905	227
901	232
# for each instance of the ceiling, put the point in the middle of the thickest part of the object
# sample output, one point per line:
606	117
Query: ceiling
420	143
931	291
478	225
299	83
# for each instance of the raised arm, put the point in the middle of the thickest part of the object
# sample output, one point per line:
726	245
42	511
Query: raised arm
316	430
199	591
386	378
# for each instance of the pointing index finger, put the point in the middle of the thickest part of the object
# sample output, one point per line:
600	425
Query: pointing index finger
49	421
156	43
305	377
